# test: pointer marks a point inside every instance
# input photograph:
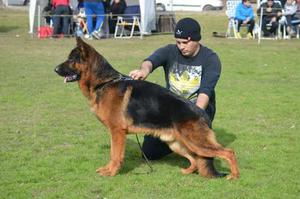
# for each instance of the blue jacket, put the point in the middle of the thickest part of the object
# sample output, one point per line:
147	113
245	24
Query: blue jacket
242	12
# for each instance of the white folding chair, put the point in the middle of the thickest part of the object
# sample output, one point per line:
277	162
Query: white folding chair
230	12
122	24
129	24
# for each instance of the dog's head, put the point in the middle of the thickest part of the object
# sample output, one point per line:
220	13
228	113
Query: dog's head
76	64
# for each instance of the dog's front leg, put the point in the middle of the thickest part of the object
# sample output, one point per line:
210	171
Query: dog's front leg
117	150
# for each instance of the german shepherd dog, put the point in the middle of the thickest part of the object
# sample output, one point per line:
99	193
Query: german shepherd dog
128	106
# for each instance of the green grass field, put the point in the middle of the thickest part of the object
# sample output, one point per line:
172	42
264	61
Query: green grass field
51	144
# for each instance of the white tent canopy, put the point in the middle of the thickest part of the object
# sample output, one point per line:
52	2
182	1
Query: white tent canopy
148	15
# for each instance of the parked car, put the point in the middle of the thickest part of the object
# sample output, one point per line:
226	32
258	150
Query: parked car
189	5
18	2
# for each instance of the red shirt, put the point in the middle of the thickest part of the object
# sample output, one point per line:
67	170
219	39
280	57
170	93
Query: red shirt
56	3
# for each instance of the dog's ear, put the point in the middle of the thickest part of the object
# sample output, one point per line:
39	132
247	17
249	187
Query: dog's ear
79	41
82	46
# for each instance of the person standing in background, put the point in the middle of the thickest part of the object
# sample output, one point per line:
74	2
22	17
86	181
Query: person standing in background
61	16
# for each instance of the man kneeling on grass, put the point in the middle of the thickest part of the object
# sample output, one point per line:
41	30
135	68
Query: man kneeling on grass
191	71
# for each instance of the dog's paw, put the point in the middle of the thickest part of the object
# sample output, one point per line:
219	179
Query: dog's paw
102	170
107	171
232	177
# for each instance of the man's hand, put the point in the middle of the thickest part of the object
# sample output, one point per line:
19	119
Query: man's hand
279	14
138	74
273	19
143	72
246	20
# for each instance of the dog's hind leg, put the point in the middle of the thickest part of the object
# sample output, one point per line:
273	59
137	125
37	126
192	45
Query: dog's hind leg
223	153
181	150
206	167
117	150
199	139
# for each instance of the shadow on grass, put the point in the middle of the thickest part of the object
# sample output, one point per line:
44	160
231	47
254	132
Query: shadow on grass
135	159
223	137
7	28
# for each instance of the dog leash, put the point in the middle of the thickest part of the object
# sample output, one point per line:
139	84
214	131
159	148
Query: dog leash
145	157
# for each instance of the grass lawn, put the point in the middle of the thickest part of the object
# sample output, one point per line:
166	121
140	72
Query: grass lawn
51	144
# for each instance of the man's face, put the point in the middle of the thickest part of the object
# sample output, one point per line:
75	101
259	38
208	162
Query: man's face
247	3
270	3
188	48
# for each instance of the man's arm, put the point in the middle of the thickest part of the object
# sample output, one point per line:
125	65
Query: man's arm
158	58
210	77
202	101
143	72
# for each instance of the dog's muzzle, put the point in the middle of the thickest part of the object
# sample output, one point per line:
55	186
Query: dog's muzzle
69	76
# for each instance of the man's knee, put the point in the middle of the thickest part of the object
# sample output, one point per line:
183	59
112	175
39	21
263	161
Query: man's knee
154	148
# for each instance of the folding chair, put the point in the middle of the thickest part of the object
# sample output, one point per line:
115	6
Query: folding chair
283	26
298	30
128	24
230	12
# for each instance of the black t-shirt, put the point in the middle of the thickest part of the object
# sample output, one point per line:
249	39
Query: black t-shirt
189	76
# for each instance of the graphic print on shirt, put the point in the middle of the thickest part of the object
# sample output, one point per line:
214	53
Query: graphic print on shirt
185	80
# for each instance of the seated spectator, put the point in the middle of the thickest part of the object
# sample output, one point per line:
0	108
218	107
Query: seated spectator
245	16
61	16
271	14
94	7
117	8
290	9
296	20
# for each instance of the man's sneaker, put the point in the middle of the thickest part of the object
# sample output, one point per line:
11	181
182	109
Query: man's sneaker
238	35
96	34
249	36
89	37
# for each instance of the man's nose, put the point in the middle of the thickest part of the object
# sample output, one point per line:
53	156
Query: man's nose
181	47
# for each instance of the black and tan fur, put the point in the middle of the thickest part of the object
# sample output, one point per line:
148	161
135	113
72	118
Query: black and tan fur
127	106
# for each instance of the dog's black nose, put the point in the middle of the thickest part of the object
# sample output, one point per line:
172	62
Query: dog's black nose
56	69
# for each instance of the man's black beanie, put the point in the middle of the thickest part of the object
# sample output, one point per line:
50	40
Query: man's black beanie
188	28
